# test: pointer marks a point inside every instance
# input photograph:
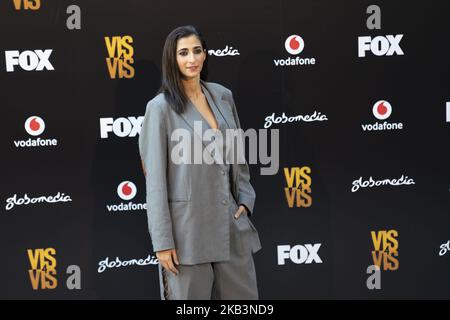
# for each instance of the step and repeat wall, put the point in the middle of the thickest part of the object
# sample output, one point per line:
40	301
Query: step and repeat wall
358	206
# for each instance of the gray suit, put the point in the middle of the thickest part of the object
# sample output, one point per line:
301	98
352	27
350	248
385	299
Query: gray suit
189	204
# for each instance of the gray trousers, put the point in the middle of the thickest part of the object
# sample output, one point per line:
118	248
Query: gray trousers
228	280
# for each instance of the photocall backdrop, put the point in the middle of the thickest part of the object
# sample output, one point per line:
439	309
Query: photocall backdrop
358	90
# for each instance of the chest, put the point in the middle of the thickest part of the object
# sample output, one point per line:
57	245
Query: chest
205	110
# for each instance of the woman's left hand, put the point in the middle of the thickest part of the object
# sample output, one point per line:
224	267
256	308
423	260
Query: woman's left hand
240	211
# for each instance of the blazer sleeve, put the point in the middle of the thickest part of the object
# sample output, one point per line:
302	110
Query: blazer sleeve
246	193
153	151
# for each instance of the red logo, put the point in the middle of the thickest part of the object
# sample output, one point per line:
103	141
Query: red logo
126	190
34	125
294	44
382	109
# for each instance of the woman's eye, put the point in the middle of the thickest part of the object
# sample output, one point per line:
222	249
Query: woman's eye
196	51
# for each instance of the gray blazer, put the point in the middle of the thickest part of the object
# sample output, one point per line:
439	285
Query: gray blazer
188	205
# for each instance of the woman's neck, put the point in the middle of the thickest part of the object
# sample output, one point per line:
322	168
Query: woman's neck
192	88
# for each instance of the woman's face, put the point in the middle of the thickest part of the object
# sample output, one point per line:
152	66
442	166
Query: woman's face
190	56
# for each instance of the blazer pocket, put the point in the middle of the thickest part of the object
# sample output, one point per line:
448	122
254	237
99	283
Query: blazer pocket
243	223
251	224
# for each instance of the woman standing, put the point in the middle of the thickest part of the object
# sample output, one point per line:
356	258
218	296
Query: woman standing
197	213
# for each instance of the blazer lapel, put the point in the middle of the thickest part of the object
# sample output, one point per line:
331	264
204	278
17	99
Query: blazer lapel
220	106
225	109
222	110
195	121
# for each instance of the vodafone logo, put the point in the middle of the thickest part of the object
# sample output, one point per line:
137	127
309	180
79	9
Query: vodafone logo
34	125
382	109
294	44
126	190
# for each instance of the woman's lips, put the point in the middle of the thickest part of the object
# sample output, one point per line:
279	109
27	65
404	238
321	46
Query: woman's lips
193	68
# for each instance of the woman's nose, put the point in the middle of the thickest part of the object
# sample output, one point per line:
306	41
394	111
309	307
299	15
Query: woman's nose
191	57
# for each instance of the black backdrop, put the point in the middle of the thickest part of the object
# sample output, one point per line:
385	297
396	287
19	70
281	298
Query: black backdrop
74	97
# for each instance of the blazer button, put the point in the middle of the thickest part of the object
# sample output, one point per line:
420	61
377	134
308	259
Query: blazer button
222	172
224	202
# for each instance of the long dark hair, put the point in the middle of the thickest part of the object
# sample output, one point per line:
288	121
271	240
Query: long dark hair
171	86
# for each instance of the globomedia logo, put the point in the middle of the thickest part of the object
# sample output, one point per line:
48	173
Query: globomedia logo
272	119
15	201
126	190
35	126
382	110
444	248
106	263
227	51
294	45
370	183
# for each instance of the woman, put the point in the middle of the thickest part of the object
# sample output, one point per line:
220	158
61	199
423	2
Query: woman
197	212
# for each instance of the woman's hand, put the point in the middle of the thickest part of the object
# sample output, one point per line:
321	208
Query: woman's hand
242	209
167	258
